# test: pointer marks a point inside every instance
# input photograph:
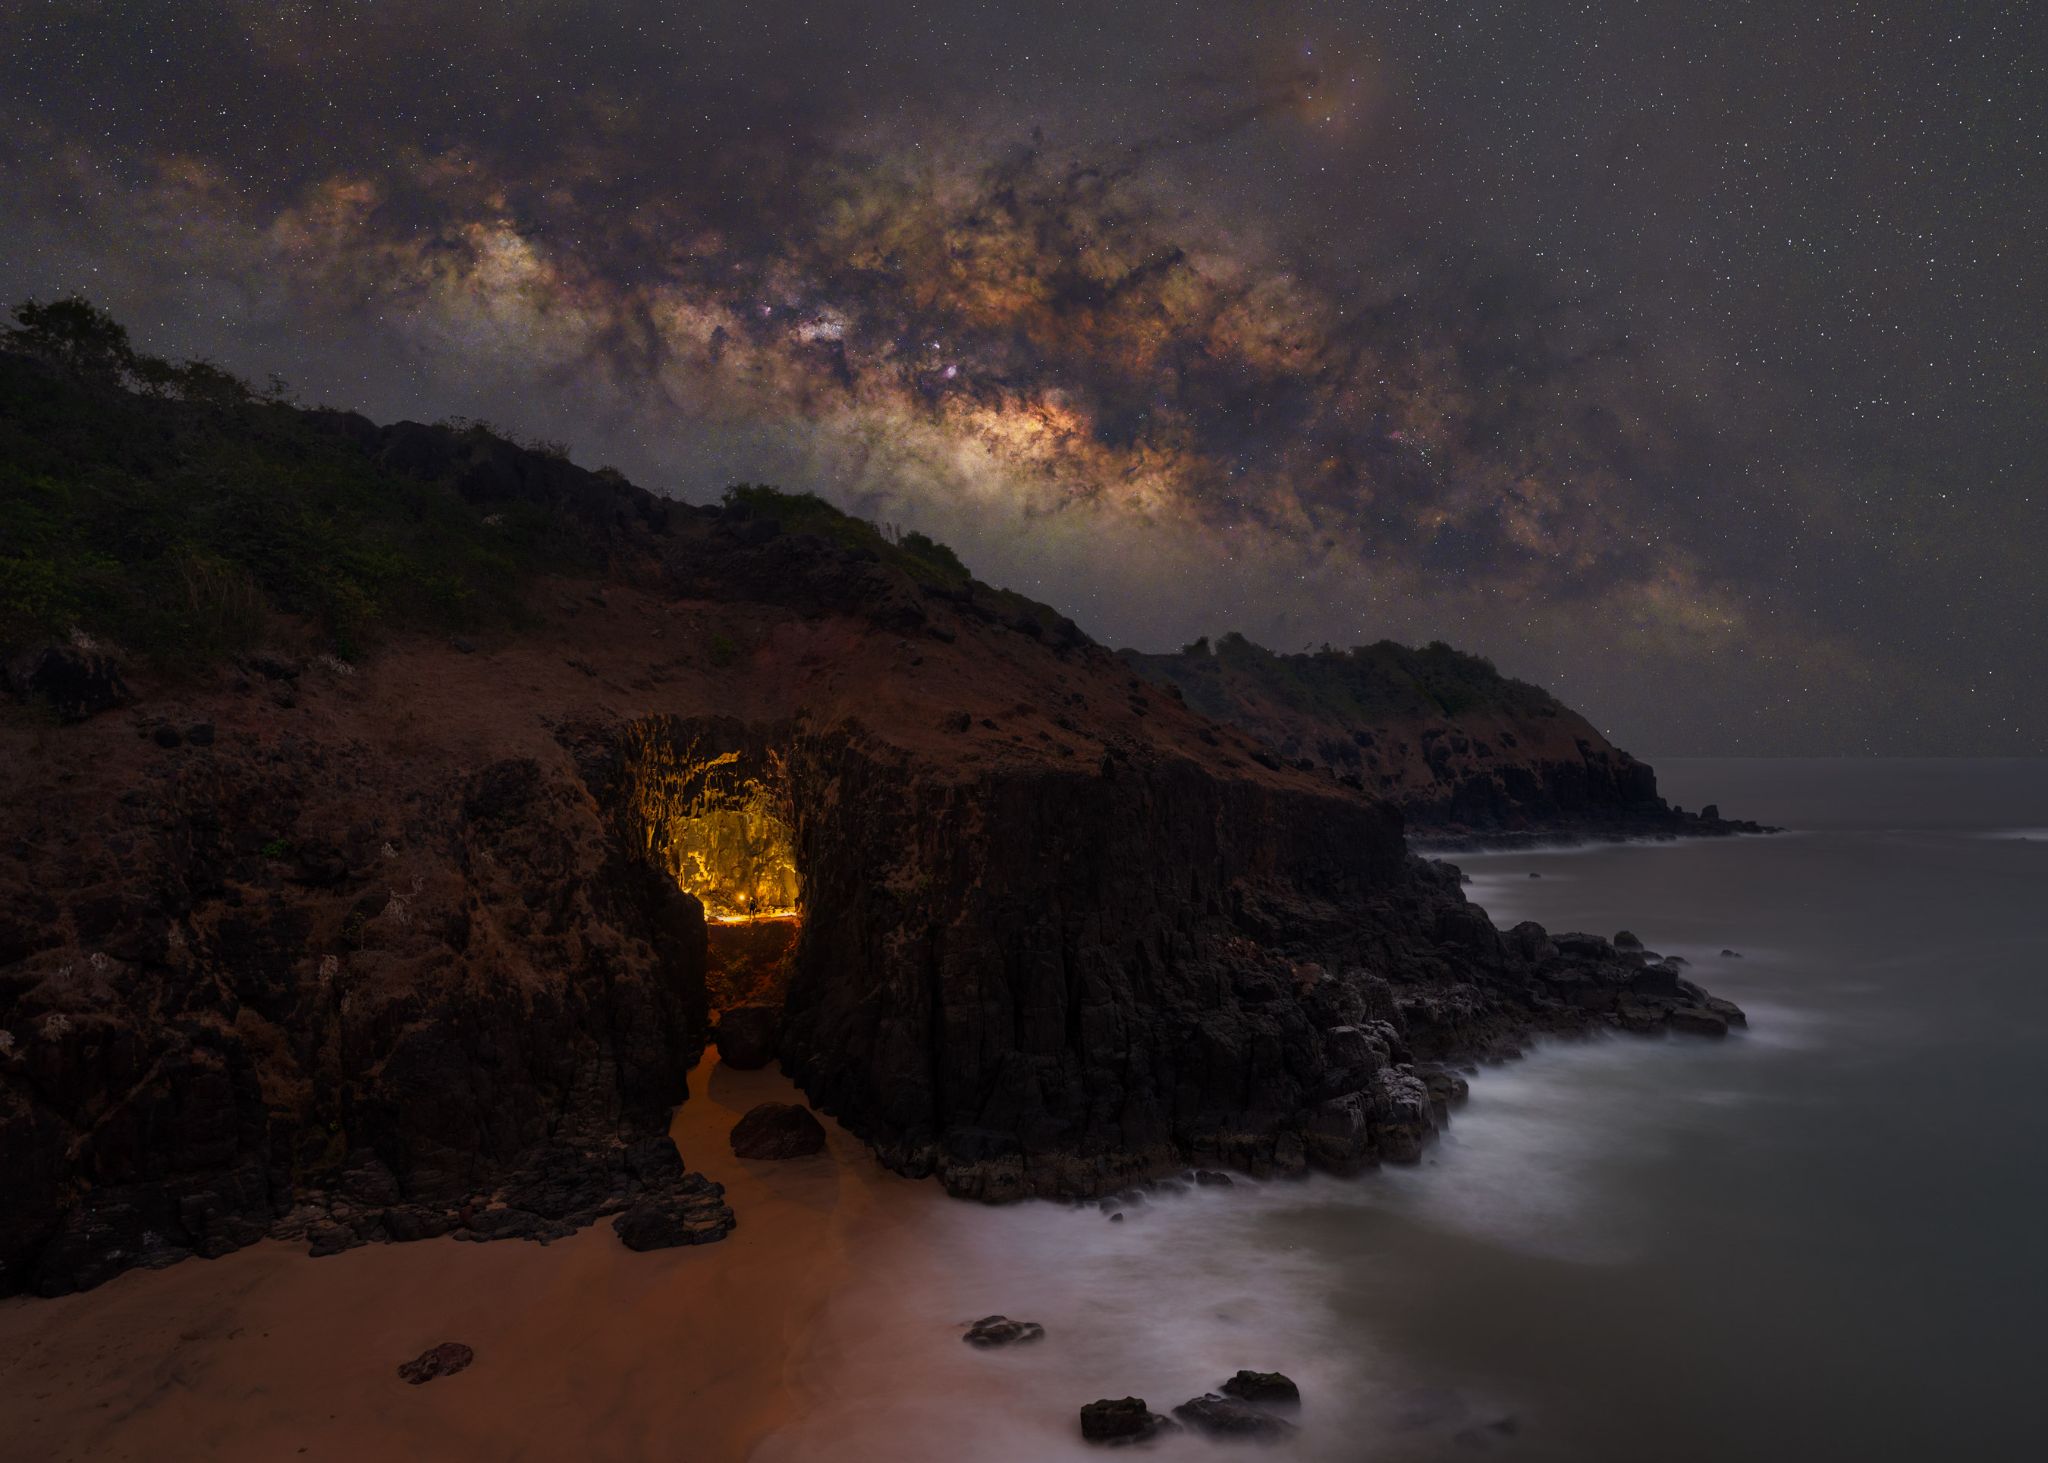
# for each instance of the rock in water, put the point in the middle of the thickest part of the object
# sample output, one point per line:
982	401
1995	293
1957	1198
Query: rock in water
1698	1022
1002	1331
1272	1388
746	1036
778	1130
444	1360
1122	1420
1231	1417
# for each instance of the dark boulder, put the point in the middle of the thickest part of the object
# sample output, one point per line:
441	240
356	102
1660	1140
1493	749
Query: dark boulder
76	684
1002	1331
1698	1021
1271	1388
746	1036
444	1360
778	1130
1121	1420
1231	1417
694	1213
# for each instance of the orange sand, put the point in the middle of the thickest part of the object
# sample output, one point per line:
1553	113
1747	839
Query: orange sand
584	1349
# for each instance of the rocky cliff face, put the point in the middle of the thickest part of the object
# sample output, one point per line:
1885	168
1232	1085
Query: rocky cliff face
281	970
385	950
1472	758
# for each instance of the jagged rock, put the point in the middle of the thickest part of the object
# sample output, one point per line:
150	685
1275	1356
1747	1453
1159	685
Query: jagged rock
746	1036
1727	1010
695	1214
1626	940
654	1161
407	1222
1231	1417
1002	1331
1208	1178
444	1360
1270	1388
505	1223
1698	1021
1116	1422
778	1130
332	1239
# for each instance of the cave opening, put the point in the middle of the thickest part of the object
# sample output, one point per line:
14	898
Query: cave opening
713	807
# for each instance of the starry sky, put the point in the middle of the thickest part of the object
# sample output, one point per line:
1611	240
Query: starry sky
1686	358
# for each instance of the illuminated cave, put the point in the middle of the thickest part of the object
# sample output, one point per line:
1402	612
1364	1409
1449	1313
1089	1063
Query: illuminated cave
716	819
721	833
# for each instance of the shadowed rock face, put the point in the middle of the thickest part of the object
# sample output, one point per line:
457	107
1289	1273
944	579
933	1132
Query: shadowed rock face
376	1034
1049	982
1054	983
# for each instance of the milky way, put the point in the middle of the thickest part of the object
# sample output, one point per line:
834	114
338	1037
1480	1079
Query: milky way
1255	320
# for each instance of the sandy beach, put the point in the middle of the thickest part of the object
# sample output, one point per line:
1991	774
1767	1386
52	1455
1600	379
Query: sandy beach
584	1349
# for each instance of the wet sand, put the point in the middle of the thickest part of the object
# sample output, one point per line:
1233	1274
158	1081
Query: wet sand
584	1349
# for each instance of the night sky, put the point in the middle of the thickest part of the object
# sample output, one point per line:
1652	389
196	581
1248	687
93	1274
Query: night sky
1684	357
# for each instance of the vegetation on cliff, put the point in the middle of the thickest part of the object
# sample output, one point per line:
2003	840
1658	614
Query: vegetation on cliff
1360	686
173	510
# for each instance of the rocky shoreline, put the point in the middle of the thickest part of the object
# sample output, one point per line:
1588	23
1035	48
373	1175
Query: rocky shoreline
397	947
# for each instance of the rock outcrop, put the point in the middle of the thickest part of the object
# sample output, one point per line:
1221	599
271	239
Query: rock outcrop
402	946
457	986
1119	1421
777	1130
746	1036
444	1360
1231	1417
1270	1389
1472	758
991	1331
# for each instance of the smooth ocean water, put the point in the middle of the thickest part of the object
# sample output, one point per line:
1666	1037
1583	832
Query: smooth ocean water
1825	1238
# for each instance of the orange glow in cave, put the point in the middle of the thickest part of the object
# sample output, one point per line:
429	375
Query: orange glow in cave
722	835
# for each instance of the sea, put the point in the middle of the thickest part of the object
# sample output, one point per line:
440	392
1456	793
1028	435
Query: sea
1823	1238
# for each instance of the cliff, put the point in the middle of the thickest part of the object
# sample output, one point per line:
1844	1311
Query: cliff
1471	757
387	917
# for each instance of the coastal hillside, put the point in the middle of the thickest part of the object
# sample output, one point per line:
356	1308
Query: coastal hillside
1471	757
396	811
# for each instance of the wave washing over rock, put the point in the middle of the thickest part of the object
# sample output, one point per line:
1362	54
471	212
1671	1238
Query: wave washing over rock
418	942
